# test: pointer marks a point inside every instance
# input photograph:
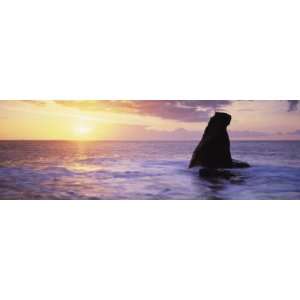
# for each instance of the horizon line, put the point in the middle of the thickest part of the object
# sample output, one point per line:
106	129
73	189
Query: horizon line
140	140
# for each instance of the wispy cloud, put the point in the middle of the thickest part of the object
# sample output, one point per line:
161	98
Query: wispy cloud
293	105
296	132
140	132
35	102
244	134
180	110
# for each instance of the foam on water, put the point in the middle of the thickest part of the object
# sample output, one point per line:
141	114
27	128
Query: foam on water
143	170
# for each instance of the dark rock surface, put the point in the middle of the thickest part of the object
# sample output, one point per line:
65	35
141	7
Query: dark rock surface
213	151
239	164
215	173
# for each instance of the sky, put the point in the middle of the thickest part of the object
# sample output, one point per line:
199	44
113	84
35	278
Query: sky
145	120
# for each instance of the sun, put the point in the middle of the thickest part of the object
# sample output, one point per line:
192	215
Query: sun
82	131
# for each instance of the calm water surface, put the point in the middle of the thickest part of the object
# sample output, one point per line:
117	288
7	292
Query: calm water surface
143	170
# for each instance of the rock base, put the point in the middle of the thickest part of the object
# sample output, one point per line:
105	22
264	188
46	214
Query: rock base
236	164
223	172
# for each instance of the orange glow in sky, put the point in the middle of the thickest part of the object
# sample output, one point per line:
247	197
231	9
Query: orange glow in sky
144	120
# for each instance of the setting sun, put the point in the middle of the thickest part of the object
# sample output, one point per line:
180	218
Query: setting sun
83	131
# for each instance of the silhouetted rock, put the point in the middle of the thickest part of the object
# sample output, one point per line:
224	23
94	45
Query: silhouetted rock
215	173
213	151
239	164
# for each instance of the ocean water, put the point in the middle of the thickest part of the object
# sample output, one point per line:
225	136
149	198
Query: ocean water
143	170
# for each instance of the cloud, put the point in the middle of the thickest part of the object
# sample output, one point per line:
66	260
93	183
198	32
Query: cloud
180	110
248	134
296	132
140	132
35	102
293	105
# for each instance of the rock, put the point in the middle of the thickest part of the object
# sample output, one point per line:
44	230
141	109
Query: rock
213	151
239	164
215	173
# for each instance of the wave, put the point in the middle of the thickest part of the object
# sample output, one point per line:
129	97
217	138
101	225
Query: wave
150	179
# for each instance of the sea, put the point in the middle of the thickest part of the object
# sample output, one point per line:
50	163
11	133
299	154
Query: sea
154	170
